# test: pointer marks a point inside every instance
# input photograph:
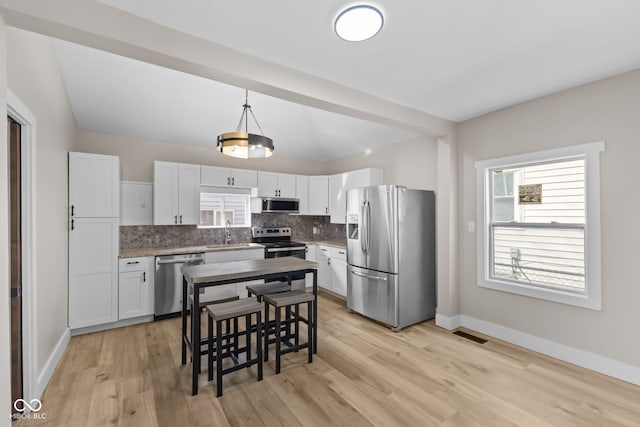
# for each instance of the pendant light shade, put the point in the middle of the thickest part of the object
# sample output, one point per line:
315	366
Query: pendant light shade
245	145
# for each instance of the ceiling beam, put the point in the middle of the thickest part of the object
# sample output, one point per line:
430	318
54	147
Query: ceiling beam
99	26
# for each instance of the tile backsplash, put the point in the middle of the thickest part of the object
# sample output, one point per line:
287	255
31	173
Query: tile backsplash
160	236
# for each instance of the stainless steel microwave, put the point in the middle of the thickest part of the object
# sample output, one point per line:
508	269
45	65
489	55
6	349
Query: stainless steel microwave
280	204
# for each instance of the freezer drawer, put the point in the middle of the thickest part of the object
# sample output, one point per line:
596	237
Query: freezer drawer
373	294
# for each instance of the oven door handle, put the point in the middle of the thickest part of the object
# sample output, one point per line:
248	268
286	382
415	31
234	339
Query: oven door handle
291	249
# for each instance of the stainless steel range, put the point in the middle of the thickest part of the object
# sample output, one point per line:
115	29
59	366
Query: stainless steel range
277	243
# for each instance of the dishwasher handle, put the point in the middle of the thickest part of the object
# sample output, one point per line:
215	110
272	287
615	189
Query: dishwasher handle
180	261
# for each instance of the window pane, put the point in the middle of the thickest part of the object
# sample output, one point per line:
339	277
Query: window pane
217	209
551	257
562	194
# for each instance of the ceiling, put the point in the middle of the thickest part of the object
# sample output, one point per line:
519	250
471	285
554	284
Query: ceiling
455	59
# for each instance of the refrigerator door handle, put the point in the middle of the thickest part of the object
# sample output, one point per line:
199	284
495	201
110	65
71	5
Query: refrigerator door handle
363	233
368	230
367	276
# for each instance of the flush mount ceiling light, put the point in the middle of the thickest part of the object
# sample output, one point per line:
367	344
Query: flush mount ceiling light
245	145
358	23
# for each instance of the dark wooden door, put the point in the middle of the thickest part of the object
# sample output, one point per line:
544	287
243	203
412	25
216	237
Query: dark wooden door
15	214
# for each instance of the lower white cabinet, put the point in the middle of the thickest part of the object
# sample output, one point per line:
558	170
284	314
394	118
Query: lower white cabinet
324	268
93	271
332	269
338	270
232	255
136	287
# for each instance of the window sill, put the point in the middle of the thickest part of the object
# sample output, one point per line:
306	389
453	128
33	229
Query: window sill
583	300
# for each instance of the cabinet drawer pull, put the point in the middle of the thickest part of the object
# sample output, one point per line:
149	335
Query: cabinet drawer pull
133	262
144	276
175	219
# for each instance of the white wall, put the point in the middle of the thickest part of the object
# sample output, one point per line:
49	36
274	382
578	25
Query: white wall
606	110
137	156
34	78
5	337
411	163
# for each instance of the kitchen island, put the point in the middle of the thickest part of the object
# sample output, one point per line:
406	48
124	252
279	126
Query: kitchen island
198	277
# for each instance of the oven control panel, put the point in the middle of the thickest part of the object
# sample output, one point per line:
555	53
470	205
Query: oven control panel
270	232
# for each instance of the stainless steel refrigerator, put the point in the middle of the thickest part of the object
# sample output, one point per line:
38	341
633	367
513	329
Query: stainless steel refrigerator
391	254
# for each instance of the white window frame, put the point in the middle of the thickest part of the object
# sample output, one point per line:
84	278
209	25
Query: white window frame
592	297
227	192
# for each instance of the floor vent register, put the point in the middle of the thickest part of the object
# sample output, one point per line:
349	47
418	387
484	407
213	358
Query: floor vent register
470	337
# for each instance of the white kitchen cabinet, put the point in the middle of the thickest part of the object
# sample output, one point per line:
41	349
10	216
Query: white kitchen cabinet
136	287
136	203
94	185
302	193
232	255
228	177
318	195
311	255
93	271
338	270
341	183
332	269
176	193
271	184
325	275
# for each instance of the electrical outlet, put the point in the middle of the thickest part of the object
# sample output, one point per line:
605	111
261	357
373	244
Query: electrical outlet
515	253
315	230
471	226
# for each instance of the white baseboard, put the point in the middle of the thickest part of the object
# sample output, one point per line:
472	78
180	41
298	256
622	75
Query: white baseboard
52	362
604	365
112	325
447	322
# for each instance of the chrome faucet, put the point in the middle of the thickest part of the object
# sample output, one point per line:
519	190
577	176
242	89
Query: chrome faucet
227	233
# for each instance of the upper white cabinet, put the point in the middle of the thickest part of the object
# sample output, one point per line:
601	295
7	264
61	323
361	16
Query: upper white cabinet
228	177
94	185
176	193
271	184
136	203
319	195
341	183
302	193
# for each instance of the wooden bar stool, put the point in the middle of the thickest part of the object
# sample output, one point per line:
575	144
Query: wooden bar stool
224	312
287	300
267	288
204	301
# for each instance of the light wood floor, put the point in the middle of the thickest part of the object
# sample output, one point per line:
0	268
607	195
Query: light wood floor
364	374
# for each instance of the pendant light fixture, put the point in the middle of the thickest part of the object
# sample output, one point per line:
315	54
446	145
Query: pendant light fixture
245	145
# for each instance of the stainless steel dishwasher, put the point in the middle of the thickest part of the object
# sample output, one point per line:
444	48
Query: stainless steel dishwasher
168	289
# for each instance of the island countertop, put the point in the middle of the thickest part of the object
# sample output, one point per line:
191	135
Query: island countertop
232	270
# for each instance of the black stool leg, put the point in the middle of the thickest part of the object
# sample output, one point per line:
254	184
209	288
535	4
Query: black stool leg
259	344
310	344
219	358
297	327
247	327
277	340
210	351
266	331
